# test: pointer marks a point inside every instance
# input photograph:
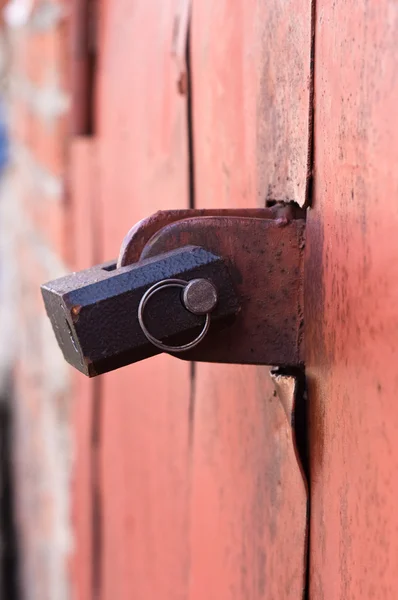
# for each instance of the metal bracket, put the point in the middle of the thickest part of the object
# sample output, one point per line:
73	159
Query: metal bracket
264	249
252	257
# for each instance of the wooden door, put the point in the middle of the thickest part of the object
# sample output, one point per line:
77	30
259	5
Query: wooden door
195	488
193	467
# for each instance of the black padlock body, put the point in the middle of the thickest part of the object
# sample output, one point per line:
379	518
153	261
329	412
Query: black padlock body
94	313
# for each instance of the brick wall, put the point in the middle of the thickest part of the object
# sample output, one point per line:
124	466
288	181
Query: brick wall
35	246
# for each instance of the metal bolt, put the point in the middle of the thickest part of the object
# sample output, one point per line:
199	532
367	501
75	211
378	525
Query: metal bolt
200	296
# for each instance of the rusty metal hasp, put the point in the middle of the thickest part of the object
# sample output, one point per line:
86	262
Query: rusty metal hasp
205	285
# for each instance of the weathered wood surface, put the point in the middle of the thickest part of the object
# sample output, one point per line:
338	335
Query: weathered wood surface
145	412
251	65
248	499
351	299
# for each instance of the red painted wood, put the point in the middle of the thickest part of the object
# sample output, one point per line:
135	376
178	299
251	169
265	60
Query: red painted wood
248	503
248	510
144	437
252	87
351	299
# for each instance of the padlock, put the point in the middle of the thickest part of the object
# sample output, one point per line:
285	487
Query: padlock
217	286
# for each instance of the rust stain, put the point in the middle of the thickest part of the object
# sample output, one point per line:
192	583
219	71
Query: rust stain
134	241
266	262
75	311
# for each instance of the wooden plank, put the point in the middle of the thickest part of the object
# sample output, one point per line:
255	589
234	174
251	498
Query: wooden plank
144	436
252	97
284	99
352	310
249	503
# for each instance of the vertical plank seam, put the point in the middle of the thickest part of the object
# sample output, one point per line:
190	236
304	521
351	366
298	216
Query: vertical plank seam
97	416
191	161
192	203
308	203
96	514
83	44
191	196
311	109
93	15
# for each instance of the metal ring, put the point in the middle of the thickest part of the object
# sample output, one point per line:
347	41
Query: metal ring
161	285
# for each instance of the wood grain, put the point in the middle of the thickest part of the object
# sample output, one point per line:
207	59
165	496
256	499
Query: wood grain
352	310
248	503
144	437
251	65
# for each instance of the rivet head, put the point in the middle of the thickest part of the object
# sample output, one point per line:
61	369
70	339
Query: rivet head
200	296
